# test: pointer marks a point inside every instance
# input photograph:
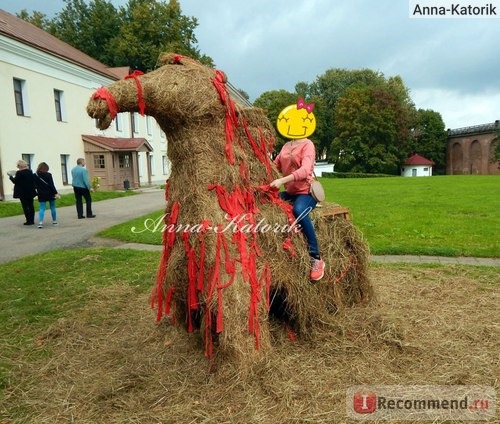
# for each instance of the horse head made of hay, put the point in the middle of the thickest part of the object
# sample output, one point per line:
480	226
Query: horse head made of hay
172	93
232	250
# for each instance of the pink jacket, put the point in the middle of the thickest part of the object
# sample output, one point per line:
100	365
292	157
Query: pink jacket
297	159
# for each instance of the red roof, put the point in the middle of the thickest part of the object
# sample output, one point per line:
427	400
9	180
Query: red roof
13	27
119	144
418	160
121	72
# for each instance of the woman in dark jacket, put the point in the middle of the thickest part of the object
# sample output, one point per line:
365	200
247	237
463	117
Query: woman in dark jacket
24	190
46	192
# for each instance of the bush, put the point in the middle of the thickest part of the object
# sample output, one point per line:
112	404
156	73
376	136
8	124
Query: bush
353	175
95	183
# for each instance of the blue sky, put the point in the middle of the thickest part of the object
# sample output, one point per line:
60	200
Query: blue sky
450	65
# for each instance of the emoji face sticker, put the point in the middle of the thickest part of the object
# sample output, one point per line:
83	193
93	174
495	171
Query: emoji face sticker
297	121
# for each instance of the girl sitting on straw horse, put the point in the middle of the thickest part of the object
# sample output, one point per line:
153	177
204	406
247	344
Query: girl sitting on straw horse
296	162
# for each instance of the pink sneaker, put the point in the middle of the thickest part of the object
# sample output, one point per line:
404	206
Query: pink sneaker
317	269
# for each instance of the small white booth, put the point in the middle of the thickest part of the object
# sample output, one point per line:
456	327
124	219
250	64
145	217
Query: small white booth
417	166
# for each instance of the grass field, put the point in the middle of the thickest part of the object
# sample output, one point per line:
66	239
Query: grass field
79	343
444	216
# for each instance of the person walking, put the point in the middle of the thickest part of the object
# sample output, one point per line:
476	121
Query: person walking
47	192
82	189
24	190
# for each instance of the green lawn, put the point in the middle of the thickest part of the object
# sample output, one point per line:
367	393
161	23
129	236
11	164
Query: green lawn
31	301
445	215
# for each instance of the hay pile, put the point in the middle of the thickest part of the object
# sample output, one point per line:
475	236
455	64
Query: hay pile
220	272
109	363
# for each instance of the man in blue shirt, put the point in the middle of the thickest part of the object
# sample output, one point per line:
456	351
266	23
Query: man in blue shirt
82	188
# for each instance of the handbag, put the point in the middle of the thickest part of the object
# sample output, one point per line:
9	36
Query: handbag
316	190
56	195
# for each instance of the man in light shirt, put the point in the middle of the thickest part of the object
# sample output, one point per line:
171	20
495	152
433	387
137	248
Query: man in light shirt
82	189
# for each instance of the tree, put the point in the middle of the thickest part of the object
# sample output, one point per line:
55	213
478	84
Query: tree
90	28
273	102
336	85
38	19
334	82
150	28
243	94
135	35
429	138
329	87
371	131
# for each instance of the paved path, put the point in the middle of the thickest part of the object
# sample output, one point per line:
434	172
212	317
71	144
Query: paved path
443	260
375	258
18	240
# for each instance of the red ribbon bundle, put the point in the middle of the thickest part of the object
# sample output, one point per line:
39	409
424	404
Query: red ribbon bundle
104	94
231	119
140	100
168	243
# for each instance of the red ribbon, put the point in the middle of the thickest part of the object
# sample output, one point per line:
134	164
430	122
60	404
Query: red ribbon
104	94
344	272
231	118
140	100
260	151
168	242
168	302
287	245
177	58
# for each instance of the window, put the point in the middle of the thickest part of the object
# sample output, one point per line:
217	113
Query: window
134	123
58	101
124	160
64	168
151	164
28	158
118	122
426	169
148	125
19	96
99	162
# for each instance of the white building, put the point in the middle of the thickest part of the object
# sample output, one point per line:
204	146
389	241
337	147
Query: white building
45	86
417	166
320	167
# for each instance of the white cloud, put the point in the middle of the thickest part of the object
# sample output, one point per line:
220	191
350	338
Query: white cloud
459	109
449	65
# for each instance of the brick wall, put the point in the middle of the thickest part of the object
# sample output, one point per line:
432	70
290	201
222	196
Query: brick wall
469	150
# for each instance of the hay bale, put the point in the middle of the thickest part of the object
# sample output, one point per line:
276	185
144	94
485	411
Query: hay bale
229	252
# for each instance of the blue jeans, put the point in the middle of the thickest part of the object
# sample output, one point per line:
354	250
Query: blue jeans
41	211
302	205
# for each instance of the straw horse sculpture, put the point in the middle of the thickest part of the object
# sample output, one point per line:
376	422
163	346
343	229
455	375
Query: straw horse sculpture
231	248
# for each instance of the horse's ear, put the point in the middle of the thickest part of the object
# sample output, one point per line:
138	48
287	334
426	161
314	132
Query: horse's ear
221	76
171	59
